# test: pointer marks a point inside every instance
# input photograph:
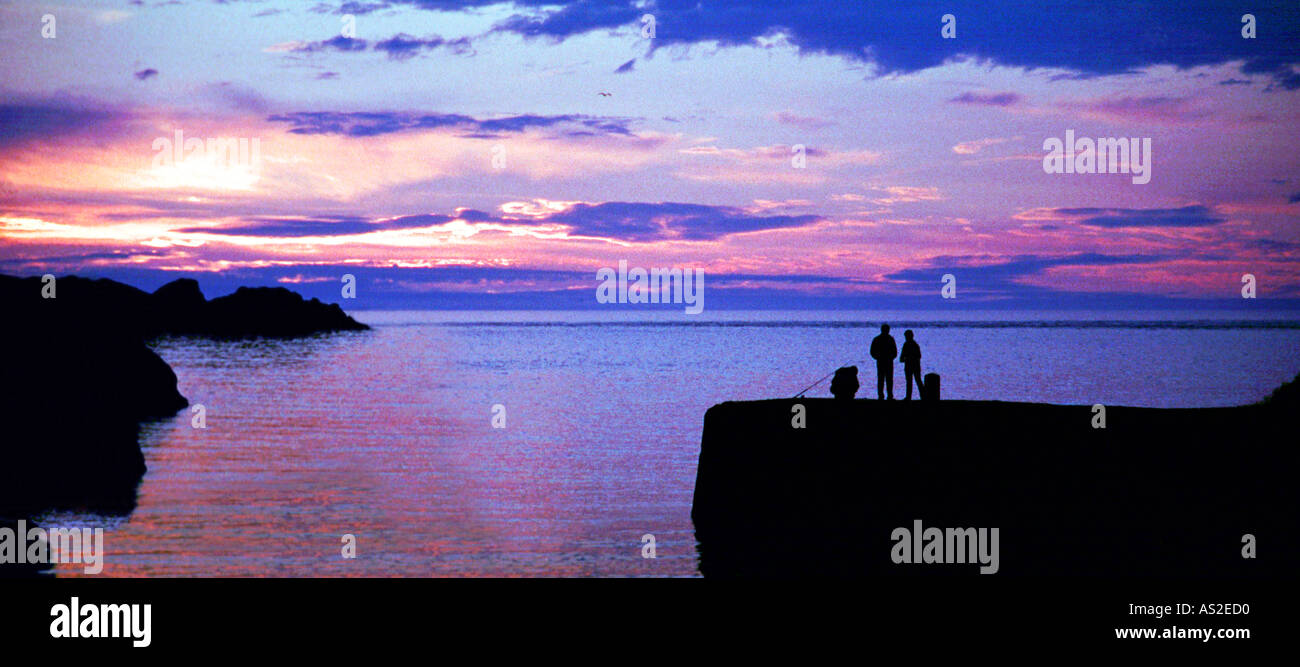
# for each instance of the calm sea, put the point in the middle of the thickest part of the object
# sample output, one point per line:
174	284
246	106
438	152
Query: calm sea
388	435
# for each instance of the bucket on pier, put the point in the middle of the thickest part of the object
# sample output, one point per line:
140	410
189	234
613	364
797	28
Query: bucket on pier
930	390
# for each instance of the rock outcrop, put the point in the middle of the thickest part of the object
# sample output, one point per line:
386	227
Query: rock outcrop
1287	395
1156	492
269	311
71	403
79	378
177	308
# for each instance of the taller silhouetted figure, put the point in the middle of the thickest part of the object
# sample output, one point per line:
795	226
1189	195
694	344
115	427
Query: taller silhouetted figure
911	358
883	350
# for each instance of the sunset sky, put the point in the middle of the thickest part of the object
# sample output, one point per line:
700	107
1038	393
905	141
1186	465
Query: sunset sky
461	154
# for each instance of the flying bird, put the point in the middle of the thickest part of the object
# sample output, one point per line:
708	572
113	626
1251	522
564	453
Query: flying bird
604	94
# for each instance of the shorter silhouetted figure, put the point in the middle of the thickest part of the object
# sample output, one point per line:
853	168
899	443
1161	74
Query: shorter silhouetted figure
845	383
911	358
883	350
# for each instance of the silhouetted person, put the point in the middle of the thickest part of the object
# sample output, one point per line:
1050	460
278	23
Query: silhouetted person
845	383
911	358
883	350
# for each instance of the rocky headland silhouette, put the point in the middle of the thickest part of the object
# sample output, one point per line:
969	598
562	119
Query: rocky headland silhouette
80	378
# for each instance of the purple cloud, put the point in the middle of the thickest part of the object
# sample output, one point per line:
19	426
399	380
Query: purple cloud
404	47
893	35
400	47
350	7
341	44
368	124
21	122
987	99
626	221
1111	218
802	122
334	225
1001	277
634	221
